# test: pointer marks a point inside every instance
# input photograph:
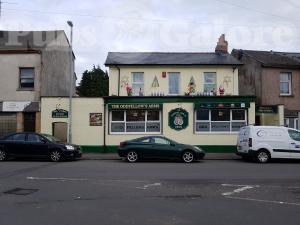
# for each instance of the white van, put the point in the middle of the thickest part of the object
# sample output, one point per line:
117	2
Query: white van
265	142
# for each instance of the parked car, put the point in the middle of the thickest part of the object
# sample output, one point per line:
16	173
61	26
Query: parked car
266	142
36	145
157	147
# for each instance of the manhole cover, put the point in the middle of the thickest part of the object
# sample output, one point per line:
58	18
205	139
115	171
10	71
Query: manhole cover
20	191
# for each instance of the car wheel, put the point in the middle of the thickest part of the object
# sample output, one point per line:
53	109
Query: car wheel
3	155
55	156
188	157
263	156
132	156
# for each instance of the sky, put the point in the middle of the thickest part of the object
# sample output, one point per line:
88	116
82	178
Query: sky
159	26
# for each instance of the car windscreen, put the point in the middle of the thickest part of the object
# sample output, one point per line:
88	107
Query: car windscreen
52	138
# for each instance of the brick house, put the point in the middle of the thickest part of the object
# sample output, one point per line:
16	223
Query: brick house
274	77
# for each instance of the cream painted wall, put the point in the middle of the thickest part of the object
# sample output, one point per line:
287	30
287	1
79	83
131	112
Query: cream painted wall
187	135
223	73
10	75
83	133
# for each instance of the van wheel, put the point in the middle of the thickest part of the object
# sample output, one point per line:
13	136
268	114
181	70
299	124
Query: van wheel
263	156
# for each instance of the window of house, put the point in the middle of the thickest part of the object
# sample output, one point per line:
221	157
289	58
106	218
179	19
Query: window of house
291	123
173	83
210	82
285	84
220	120
137	84
26	77
135	121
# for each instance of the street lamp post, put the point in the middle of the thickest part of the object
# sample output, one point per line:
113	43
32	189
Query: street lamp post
69	138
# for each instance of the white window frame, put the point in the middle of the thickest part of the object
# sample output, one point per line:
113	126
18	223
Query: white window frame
137	83
210	121
204	83
289	83
179	81
287	122
131	122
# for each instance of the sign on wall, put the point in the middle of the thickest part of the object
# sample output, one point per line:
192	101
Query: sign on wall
60	113
267	109
14	106
178	119
221	105
95	119
134	106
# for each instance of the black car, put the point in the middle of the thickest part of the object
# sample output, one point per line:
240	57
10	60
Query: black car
157	147
37	145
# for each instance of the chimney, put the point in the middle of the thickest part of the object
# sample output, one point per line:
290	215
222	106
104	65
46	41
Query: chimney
222	45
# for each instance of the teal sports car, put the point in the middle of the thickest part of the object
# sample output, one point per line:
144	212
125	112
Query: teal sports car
157	147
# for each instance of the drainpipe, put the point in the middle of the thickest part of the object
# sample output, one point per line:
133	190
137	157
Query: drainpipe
104	127
119	78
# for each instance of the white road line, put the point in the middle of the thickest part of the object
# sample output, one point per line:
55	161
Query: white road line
266	201
149	185
55	178
133	181
240	188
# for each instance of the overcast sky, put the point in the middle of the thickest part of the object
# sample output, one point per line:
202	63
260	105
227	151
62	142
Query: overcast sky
159	25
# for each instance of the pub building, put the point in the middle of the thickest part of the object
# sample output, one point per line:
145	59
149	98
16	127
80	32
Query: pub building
188	97
192	98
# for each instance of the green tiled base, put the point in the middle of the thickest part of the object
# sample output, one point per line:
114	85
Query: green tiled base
113	148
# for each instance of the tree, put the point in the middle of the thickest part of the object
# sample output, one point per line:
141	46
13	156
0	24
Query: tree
94	83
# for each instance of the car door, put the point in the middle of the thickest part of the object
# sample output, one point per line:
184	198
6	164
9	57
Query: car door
15	144
163	148
144	147
294	143
36	145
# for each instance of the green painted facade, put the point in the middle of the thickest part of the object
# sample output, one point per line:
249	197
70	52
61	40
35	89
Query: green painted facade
113	148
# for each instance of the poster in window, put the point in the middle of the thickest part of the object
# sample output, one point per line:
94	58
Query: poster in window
95	119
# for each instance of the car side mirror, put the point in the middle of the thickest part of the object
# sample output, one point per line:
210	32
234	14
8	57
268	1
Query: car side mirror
172	144
43	141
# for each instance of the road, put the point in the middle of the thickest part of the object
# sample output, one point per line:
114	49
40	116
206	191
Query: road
113	192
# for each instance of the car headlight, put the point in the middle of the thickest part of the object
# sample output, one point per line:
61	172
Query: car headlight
69	147
199	149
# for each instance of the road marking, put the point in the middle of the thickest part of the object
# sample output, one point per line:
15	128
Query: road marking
240	188
149	185
55	178
266	201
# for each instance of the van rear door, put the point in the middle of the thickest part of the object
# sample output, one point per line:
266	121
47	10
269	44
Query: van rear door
243	140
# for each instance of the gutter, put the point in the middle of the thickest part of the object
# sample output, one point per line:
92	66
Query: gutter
119	79
104	127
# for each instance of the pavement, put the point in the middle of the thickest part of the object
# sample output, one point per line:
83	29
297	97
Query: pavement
114	156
